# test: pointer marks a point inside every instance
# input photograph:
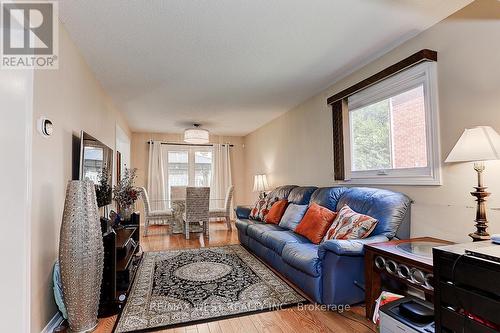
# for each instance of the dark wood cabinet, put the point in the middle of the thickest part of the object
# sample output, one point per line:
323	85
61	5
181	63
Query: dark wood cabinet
121	246
467	291
398	264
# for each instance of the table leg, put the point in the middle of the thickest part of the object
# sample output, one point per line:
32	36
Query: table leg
372	284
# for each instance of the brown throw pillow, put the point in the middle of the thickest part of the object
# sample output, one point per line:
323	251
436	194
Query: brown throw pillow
276	212
351	225
315	223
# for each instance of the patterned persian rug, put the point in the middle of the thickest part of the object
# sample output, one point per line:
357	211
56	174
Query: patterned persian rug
183	287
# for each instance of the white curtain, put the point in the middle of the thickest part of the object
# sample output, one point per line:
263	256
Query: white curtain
221	175
156	178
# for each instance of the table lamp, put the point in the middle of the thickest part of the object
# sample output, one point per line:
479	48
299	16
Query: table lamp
478	144
260	185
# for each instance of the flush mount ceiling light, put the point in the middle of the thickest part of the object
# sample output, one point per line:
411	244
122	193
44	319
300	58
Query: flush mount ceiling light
196	135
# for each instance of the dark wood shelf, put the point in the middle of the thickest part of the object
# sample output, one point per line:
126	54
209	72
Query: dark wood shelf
124	236
120	264
123	263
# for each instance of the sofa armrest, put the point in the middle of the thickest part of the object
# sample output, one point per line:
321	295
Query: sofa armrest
344	247
242	212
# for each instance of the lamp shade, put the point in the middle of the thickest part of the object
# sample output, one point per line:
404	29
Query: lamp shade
196	135
479	143
260	183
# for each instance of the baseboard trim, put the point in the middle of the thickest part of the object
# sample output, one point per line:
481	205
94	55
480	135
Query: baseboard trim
53	323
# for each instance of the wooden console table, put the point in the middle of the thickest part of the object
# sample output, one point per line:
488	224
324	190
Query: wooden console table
408	262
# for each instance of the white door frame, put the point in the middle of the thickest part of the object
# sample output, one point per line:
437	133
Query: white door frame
16	134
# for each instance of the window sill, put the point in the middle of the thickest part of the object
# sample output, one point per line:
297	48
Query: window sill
391	181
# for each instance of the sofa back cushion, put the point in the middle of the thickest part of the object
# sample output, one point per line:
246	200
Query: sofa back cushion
328	196
301	195
293	215
389	208
280	192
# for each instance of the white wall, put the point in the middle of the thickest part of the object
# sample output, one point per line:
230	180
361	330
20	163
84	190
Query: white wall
16	100
73	99
296	148
122	146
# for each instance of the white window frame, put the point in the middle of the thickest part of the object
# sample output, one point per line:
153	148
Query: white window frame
191	150
422	74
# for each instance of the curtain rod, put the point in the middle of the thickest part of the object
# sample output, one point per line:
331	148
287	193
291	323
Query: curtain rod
188	144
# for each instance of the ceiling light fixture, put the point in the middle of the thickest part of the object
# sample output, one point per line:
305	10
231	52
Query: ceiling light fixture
196	135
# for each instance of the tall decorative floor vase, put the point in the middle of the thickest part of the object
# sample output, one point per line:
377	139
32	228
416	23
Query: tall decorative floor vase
81	256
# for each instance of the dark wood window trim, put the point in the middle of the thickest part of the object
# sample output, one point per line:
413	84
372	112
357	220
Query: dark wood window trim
338	102
338	138
416	58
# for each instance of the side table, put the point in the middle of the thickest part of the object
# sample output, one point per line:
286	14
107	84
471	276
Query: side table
408	261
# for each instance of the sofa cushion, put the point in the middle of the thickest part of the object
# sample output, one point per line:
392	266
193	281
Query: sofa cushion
293	214
276	240
302	256
242	224
388	207
301	195
276	212
315	223
258	229
328	197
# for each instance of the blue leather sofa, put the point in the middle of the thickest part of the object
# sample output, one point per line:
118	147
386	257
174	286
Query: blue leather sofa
333	271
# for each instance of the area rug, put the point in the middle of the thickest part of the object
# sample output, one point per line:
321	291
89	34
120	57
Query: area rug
190	286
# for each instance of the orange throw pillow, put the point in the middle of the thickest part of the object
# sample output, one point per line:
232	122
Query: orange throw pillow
315	223
276	212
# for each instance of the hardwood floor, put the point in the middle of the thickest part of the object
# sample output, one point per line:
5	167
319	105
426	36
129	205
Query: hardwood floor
286	321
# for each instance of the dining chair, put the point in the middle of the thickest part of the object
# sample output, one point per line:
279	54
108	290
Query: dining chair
225	212
177	193
158	217
197	202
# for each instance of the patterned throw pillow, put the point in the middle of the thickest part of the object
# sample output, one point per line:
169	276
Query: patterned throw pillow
261	208
276	211
293	215
315	223
351	225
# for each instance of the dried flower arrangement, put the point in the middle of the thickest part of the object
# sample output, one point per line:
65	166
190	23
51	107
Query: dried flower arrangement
125	193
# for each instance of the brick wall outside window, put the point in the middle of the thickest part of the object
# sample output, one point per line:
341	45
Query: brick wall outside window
408	129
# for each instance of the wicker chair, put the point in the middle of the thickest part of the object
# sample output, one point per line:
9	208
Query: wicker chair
197	201
177	193
162	217
225	212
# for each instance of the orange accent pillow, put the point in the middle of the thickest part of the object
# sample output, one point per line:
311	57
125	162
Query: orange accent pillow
315	223
276	212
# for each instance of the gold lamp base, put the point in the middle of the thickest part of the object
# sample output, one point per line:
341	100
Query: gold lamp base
480	193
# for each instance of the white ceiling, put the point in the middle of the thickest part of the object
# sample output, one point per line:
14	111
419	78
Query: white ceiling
233	65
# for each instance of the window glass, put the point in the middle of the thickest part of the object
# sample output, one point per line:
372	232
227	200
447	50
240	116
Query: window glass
202	168
178	170
390	134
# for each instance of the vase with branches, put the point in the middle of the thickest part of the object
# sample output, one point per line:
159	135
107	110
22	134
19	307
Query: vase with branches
125	193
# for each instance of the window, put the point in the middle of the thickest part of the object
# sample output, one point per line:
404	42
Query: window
392	130
187	166
202	168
